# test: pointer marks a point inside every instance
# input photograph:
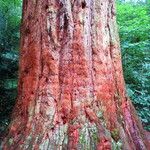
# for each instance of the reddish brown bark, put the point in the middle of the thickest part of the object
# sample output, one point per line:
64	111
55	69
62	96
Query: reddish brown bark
71	86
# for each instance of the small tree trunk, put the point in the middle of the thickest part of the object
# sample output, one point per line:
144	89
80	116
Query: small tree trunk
71	87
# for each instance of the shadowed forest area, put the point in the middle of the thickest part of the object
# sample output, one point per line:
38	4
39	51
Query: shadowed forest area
134	28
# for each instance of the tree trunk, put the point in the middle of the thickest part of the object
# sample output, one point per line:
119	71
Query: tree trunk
71	92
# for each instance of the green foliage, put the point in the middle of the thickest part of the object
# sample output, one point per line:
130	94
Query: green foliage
10	14
134	29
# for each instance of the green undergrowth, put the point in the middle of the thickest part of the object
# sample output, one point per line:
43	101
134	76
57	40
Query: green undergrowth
134	29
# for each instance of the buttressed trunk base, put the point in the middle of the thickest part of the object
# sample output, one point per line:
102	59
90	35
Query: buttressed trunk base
71	92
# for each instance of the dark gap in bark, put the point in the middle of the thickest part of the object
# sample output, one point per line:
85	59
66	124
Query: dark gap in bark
50	34
113	11
25	4
29	17
64	147
52	128
41	56
64	118
27	31
22	113
46	7
65	22
40	76
94	52
73	4
46	79
61	4
26	71
83	4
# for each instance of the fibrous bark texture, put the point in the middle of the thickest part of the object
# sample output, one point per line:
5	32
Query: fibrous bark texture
71	92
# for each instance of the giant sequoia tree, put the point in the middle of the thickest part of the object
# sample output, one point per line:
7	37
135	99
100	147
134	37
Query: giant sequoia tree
71	92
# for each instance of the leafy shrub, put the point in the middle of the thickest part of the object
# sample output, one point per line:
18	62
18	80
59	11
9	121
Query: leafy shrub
134	29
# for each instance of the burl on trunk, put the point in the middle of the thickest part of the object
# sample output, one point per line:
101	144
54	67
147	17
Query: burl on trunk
71	92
